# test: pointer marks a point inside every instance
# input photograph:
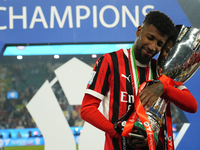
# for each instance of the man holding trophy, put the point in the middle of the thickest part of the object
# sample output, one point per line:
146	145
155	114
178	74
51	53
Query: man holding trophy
118	81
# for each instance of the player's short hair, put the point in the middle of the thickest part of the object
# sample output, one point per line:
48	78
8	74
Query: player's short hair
161	21
174	35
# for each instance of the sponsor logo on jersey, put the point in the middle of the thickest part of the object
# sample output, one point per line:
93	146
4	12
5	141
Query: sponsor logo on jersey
125	97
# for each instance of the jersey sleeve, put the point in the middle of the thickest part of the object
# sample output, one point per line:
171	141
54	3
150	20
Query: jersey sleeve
91	114
98	84
181	97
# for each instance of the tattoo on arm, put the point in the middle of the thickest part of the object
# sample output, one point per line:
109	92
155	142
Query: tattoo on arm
157	89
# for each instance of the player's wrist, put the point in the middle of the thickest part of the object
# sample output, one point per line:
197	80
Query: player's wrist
164	80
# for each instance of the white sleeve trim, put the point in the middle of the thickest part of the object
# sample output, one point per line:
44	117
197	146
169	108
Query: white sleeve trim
181	87
95	94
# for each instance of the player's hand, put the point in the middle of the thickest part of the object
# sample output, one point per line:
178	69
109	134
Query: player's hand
135	141
151	93
138	141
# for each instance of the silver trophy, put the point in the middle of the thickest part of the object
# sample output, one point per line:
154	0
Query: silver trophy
182	62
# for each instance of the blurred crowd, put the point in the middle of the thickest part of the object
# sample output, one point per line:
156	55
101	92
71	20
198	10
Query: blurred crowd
25	79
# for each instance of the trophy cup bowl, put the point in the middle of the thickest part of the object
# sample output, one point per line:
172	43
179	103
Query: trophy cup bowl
182	62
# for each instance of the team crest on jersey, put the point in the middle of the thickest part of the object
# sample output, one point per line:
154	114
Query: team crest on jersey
92	77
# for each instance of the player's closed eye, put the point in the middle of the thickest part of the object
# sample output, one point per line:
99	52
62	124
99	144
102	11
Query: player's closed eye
160	44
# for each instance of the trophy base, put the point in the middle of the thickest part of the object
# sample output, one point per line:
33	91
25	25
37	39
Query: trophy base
155	122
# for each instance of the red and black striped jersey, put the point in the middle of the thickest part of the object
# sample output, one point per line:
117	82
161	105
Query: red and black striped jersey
111	82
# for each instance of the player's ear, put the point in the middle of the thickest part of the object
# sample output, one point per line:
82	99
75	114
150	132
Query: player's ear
139	29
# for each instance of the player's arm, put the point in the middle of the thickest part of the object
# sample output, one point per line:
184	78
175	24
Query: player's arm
181	97
91	114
